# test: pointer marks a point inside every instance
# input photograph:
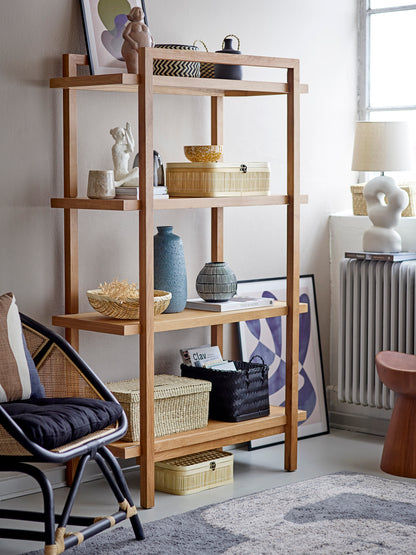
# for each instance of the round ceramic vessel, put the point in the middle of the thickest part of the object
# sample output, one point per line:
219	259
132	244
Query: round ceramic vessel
216	282
101	184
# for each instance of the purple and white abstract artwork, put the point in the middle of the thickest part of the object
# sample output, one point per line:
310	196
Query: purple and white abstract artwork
267	338
104	23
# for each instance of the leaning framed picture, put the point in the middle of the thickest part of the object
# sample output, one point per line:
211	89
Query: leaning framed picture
267	338
104	22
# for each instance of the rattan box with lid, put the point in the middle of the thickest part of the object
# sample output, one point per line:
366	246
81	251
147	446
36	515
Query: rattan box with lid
194	473
359	205
217	179
181	404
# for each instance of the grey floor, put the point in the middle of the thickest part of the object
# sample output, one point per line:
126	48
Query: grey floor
254	471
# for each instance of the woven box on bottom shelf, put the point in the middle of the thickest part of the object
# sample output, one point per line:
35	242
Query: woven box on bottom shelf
181	404
193	473
359	205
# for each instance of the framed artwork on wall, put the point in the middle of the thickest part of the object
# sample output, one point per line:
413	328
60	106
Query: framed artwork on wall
267	338
104	22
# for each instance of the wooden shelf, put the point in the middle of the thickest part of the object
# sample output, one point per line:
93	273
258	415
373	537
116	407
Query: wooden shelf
80	203
144	85
127	82
93	321
216	434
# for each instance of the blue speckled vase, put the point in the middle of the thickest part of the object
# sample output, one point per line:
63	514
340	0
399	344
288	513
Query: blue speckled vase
169	266
216	282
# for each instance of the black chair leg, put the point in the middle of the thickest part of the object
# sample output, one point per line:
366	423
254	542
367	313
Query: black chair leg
48	499
63	521
122	486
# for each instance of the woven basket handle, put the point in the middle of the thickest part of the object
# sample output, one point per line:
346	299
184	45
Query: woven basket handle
258	356
202	42
234	36
262	363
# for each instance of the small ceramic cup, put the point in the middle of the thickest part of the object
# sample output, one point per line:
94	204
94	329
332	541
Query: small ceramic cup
101	184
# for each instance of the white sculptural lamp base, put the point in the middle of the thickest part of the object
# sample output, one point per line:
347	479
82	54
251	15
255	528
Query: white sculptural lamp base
382	237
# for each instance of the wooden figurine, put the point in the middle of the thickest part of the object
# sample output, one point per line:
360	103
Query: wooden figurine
135	35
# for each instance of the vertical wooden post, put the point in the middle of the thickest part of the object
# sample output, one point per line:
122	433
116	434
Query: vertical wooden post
217	214
293	246
69	69
70	190
147	471
217	120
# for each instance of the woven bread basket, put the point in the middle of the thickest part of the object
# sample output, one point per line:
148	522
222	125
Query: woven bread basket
125	309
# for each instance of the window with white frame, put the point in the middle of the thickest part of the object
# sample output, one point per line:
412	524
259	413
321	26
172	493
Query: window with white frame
387	55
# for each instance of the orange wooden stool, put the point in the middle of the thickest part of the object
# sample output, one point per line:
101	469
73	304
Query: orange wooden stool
398	372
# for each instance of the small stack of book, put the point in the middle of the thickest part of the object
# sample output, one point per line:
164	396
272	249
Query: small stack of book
206	357
384	256
131	193
236	303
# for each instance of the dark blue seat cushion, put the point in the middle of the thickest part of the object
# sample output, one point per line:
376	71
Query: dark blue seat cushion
57	421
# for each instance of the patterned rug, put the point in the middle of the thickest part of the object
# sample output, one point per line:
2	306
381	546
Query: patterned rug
340	513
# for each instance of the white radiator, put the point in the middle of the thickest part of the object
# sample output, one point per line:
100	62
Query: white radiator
377	313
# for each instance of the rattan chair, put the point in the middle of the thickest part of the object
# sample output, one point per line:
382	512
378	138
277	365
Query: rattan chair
64	375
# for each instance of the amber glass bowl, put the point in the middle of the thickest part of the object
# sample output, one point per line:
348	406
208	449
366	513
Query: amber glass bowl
203	153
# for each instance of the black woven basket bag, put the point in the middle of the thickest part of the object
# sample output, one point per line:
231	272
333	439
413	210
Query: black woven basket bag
235	396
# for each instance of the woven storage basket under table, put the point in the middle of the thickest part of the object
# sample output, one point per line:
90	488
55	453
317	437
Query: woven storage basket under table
193	473
359	204
217	179
237	395
181	404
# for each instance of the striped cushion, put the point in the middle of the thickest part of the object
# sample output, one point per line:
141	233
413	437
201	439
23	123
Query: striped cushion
15	383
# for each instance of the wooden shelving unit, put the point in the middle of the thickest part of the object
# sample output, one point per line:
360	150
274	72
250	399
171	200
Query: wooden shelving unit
145	85
216	434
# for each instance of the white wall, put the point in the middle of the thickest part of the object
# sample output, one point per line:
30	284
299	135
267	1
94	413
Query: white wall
34	36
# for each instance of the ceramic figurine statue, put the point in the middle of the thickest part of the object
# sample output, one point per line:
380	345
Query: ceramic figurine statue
121	151
381	237
135	35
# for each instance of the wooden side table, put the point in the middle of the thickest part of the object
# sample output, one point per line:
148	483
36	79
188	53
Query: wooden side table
398	372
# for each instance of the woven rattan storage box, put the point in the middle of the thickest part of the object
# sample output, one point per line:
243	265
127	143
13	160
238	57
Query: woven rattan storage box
359	205
217	179
193	473
181	404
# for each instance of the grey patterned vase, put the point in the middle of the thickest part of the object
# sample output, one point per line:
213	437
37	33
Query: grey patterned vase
216	282
169	267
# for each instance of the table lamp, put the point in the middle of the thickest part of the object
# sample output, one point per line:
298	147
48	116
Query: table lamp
383	146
